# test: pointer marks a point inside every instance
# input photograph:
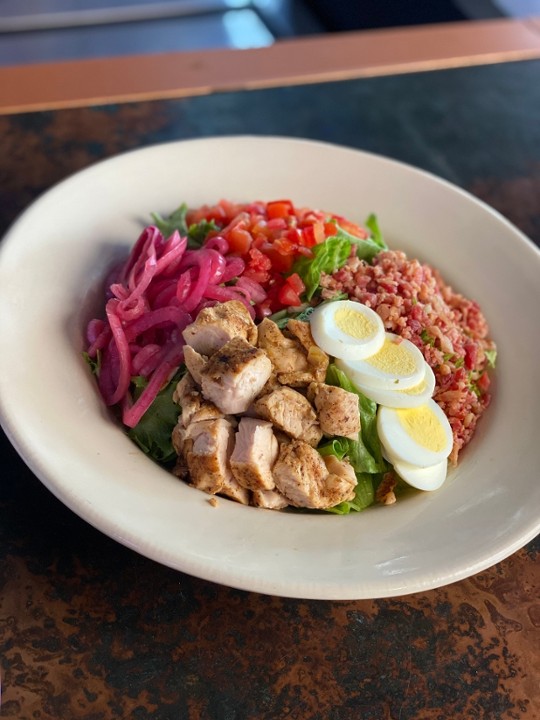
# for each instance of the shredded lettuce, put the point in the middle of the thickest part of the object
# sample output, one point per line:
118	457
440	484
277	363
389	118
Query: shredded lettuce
196	232
328	256
153	433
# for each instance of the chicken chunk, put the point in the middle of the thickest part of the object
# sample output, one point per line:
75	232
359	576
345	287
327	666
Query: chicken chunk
194	406
255	452
206	448
385	492
338	410
291	412
302	476
216	325
269	499
235	375
195	362
287	354
296	359
317	359
342	469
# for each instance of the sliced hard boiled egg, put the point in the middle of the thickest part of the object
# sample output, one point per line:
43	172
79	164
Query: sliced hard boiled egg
398	365
412	397
422	478
419	436
347	329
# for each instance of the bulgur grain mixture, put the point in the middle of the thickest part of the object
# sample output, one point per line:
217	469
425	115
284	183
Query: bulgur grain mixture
450	330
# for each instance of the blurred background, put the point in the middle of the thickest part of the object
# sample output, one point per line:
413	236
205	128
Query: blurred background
51	30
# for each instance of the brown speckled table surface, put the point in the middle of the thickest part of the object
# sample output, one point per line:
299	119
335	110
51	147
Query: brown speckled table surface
90	630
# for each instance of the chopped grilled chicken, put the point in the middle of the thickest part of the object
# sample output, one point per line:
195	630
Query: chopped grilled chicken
342	469
302	476
235	375
269	499
287	354
177	438
180	470
291	412
195	362
216	325
385	492
255	452
194	406
317	359
232	489
206	448
338	410
270	385
297	360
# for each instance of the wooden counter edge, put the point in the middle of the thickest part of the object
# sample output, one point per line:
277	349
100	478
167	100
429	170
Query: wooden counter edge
321	58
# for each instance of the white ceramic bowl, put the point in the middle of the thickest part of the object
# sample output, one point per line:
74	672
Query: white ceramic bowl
52	262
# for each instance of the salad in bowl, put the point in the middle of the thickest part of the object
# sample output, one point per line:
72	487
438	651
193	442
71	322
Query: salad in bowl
284	357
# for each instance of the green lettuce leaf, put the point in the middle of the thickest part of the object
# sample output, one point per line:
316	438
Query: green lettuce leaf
372	225
334	252
329	256
154	430
363	498
366	249
196	232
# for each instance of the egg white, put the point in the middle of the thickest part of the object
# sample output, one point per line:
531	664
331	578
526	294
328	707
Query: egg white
338	343
400	446
422	478
413	397
375	372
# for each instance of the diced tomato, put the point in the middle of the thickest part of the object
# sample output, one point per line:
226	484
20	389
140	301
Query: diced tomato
330	229
287	296
313	234
239	240
206	212
277	223
258	266
280	262
296	283
352	228
261	242
279	209
285	245
260	227
294	236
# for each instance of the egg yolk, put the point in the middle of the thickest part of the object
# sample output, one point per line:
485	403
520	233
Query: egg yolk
416	389
393	359
423	426
354	323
